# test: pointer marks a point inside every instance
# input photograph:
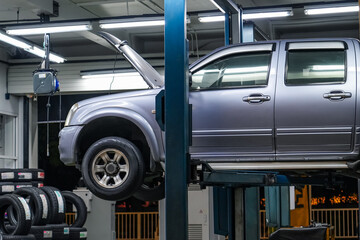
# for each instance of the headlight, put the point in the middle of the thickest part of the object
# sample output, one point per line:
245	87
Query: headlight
71	113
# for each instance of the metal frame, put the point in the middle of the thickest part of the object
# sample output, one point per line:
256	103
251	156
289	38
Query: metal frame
177	134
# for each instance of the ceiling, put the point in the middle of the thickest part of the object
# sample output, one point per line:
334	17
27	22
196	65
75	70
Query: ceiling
202	36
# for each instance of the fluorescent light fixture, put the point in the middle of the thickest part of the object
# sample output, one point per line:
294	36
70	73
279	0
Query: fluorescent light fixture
47	28
217	5
129	24
56	58
13	41
212	19
317	10
134	22
29	48
248	15
109	75
41	53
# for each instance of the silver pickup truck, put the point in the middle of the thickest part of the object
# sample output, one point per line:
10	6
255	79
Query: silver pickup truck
288	105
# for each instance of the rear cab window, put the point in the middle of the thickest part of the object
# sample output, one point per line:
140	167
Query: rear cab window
316	66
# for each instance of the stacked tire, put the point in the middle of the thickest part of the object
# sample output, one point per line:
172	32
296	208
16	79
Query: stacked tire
76	230
12	179
39	213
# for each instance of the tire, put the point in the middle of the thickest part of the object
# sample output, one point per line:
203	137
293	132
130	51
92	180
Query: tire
115	179
56	205
152	190
72	199
59	231
18	237
21	211
38	203
77	233
19	175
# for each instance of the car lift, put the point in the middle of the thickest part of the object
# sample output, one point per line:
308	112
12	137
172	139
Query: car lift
177	118
176	121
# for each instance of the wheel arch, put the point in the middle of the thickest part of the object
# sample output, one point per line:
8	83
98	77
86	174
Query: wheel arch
135	128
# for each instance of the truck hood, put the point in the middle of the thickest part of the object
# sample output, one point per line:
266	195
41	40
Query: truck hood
150	75
111	97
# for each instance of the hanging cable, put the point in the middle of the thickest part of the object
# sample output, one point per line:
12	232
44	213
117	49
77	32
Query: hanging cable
113	78
48	105
60	110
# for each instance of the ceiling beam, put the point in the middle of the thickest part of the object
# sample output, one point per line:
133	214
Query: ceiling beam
93	36
94	3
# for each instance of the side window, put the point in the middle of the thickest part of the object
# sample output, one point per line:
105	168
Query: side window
315	67
245	70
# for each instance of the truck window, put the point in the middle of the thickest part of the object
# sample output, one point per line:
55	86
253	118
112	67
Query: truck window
315	67
245	70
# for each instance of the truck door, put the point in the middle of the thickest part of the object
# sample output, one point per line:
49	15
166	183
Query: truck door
315	100
232	94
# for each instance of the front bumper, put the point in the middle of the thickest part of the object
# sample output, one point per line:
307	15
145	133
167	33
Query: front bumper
67	144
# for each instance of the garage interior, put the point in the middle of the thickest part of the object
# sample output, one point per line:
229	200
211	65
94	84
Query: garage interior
30	123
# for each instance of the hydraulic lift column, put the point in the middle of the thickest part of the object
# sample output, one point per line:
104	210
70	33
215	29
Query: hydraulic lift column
177	133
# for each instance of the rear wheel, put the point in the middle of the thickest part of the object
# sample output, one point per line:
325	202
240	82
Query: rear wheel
113	168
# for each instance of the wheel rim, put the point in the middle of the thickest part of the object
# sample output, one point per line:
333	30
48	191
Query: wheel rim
110	168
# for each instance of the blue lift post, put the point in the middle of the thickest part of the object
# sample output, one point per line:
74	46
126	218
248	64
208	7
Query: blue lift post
251	194
177	133
233	21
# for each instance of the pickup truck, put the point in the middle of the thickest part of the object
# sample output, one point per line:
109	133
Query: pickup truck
286	105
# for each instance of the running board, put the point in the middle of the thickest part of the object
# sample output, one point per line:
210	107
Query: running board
278	165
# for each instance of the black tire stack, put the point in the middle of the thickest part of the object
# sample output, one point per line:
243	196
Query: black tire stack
37	213
12	179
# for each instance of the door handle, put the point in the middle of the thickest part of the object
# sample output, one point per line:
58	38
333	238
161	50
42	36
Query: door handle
337	95
256	98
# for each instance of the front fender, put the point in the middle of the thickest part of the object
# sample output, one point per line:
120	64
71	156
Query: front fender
152	135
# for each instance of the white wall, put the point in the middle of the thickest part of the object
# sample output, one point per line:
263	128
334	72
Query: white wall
13	107
20	77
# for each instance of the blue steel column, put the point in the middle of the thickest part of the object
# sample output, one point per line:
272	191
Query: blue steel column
227	29
176	120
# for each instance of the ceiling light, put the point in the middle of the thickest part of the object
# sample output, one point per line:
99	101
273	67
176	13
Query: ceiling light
13	41
56	58
132	24
212	19
330	10
41	53
258	15
108	74
248	15
46	28
29	48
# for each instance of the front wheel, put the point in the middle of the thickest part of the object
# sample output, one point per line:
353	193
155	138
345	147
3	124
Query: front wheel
113	168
